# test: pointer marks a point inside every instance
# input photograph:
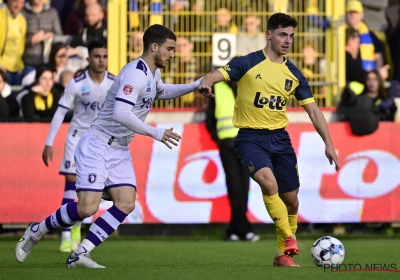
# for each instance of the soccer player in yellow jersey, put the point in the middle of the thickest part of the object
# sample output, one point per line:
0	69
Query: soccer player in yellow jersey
266	79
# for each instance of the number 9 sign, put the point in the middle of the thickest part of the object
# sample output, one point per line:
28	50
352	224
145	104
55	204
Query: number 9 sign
223	48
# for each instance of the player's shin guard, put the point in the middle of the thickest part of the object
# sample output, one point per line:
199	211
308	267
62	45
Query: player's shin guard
278	212
66	216
102	228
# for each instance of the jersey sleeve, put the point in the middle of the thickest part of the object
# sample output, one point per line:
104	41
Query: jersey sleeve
67	99
131	85
235	69
303	92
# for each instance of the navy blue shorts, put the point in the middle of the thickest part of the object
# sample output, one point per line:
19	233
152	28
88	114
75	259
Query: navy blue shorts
259	148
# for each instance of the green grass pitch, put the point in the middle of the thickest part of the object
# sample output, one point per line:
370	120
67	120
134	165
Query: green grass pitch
135	258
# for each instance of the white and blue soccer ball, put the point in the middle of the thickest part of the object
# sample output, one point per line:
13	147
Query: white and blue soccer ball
327	250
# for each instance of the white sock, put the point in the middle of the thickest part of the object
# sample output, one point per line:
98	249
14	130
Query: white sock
65	235
78	224
37	231
85	247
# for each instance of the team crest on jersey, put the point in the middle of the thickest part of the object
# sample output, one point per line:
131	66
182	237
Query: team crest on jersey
92	178
85	90
288	84
227	68
250	167
127	89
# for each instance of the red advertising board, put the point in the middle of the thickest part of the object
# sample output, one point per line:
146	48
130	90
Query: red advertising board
186	184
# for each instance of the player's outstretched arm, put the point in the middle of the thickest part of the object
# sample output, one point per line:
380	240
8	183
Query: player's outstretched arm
124	115
208	81
174	91
321	127
55	125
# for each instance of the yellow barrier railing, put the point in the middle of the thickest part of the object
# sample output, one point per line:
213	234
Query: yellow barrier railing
318	48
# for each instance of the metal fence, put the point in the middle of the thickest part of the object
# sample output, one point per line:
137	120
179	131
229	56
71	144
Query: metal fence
211	32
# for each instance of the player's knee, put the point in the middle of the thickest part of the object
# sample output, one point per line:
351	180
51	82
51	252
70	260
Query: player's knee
126	207
292	203
86	211
268	187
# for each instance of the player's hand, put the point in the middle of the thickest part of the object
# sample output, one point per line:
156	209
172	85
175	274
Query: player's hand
332	156
170	137
47	154
206	91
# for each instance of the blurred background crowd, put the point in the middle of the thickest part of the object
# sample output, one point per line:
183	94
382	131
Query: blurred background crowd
43	45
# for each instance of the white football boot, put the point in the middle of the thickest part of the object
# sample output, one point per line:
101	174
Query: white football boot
82	261
25	245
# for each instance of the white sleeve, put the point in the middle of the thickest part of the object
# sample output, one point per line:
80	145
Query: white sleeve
68	96
124	115
173	91
55	125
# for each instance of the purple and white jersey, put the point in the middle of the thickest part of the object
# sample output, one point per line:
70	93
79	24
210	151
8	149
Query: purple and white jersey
135	85
86	97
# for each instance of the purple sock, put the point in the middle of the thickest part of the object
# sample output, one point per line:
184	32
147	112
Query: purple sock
105	225
66	216
68	197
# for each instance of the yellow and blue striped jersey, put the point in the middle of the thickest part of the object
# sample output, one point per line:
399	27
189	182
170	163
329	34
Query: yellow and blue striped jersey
264	88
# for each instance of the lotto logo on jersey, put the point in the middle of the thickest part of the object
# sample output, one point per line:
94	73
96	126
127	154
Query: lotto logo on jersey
274	103
127	89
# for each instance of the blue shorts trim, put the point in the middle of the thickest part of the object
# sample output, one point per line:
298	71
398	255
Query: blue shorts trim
119	185
88	190
66	173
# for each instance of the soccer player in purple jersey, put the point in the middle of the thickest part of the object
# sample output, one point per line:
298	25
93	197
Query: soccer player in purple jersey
103	162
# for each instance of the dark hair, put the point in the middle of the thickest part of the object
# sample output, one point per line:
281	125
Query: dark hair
351	33
156	34
40	69
280	20
54	50
381	87
96	45
3	75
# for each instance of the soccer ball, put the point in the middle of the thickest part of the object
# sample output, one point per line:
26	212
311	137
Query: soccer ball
327	250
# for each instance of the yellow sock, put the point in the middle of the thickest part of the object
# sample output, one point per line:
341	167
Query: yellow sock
293	222
278	212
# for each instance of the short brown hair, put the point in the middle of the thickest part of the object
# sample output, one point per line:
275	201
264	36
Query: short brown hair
351	33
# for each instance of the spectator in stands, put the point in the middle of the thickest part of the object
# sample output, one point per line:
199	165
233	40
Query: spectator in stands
76	18
224	22
184	68
364	111
41	102
63	7
5	91
250	38
12	40
371	49
375	19
137	45
94	30
42	25
65	77
354	69
59	58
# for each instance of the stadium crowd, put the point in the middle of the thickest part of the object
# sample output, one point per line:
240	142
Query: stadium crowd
53	35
